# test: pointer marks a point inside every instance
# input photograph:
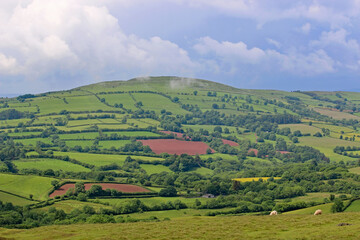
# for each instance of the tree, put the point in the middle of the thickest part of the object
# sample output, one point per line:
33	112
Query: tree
168	192
215	106
338	206
55	184
208	151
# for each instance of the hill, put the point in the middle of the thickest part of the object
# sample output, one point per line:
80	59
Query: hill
161	144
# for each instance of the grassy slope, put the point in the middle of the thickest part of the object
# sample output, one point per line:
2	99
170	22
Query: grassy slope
54	164
26	185
5	197
237	227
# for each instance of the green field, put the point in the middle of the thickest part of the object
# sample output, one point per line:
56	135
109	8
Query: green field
303	128
354	207
237	227
33	141
151	169
46	163
102	159
326	145
5	197
325	208
69	205
155	201
25	185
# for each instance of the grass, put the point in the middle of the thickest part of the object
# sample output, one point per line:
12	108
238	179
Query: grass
303	128
155	200
203	171
325	208
354	207
326	145
101	159
79	136
5	197
253	179
236	227
355	170
317	196
25	185
32	141
151	169
47	163
69	205
156	102
336	114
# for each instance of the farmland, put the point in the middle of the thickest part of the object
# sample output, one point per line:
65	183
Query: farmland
194	154
174	146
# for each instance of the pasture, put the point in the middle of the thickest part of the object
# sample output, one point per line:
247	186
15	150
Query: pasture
6	197
102	159
48	163
69	205
24	185
354	207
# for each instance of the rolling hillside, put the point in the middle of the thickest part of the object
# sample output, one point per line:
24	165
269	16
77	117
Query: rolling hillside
181	140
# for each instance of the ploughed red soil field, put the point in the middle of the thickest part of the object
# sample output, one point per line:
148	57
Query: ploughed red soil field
120	187
231	143
173	146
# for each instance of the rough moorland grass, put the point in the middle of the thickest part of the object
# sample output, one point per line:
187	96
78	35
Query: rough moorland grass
102	159
236	227
25	185
5	197
47	163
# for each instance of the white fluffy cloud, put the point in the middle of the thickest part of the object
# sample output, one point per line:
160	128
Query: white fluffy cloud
237	54
43	38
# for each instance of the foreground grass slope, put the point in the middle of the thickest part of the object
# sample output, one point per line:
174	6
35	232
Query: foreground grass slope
235	227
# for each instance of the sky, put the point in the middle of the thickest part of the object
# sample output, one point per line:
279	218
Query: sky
48	45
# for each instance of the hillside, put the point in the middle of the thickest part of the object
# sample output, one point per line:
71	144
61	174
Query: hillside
148	147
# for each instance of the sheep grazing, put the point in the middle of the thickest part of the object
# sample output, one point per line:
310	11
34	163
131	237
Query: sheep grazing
318	212
273	213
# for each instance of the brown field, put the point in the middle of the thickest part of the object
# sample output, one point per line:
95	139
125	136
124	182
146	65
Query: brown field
173	146
119	187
